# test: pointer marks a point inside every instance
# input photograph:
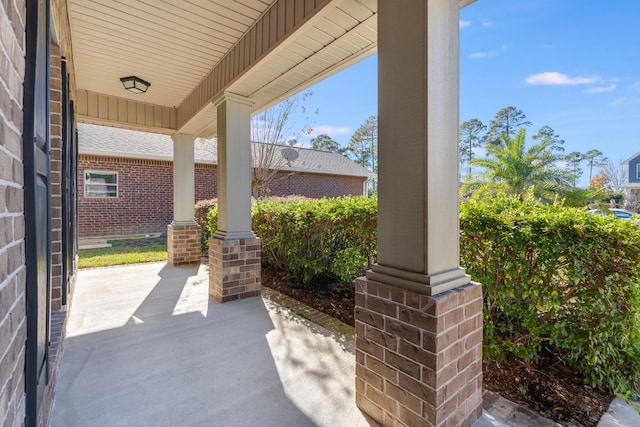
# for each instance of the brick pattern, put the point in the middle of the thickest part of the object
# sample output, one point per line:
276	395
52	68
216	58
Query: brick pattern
144	203
183	244
234	268
418	358
12	231
145	193
56	176
315	186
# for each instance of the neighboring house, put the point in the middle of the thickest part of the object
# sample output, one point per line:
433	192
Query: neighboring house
632	186
118	169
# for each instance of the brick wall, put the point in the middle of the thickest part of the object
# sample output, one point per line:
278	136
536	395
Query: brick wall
144	203
315	185
145	193
12	249
56	177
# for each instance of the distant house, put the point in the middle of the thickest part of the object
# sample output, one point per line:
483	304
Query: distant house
632	186
125	179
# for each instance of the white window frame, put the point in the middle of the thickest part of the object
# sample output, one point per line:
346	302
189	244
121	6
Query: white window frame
638	170
100	194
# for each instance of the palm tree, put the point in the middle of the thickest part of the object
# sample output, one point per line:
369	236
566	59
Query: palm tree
515	170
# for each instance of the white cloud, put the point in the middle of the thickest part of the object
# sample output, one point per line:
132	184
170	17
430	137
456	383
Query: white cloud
464	23
636	86
559	79
486	23
330	130
601	89
623	100
490	54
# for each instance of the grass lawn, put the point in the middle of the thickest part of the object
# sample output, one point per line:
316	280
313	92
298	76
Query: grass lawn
129	251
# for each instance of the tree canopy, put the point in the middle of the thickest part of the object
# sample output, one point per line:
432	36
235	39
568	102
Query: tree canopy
470	138
505	125
326	143
514	169
363	146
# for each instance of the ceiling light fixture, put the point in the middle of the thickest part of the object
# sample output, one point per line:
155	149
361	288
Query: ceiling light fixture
135	84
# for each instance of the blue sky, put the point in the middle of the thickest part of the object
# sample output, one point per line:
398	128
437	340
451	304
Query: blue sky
568	64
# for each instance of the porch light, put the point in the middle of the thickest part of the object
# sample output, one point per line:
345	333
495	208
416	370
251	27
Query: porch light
135	84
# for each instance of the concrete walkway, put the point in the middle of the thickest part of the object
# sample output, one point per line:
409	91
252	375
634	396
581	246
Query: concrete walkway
145	346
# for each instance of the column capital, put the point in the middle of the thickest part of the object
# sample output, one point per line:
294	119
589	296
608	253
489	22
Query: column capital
230	96
182	137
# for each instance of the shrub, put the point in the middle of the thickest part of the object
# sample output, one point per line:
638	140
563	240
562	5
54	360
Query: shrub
202	218
310	239
561	278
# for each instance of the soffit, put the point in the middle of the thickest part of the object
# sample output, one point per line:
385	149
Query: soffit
171	44
175	45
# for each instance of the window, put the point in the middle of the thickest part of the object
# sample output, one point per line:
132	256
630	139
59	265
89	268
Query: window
638	171
100	184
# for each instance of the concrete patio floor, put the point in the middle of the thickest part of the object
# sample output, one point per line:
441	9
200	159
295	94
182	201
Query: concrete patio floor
146	347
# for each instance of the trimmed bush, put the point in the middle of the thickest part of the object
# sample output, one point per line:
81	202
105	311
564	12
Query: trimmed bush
202	209
561	278
554	278
311	239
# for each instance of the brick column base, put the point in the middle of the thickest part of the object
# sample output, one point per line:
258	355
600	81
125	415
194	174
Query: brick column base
183	244
234	268
419	357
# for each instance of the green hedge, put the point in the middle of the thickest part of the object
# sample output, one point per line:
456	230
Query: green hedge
311	239
559	278
202	209
554	278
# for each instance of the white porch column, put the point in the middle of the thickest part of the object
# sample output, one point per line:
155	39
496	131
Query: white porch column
234	251
183	234
234	167
183	179
418	317
418	235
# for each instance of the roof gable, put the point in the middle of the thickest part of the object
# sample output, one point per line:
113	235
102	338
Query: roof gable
630	159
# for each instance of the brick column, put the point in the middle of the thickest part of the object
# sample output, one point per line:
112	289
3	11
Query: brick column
234	269
234	251
183	244
419	357
418	317
183	234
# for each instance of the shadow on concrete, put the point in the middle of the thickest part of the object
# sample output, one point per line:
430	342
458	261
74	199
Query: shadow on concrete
146	347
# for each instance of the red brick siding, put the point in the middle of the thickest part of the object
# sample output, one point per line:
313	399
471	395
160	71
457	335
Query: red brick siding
144	203
56	177
315	186
12	229
206	182
145	193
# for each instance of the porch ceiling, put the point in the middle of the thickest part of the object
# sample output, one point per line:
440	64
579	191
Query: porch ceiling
192	51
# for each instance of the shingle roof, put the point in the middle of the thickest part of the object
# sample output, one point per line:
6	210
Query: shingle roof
117	142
